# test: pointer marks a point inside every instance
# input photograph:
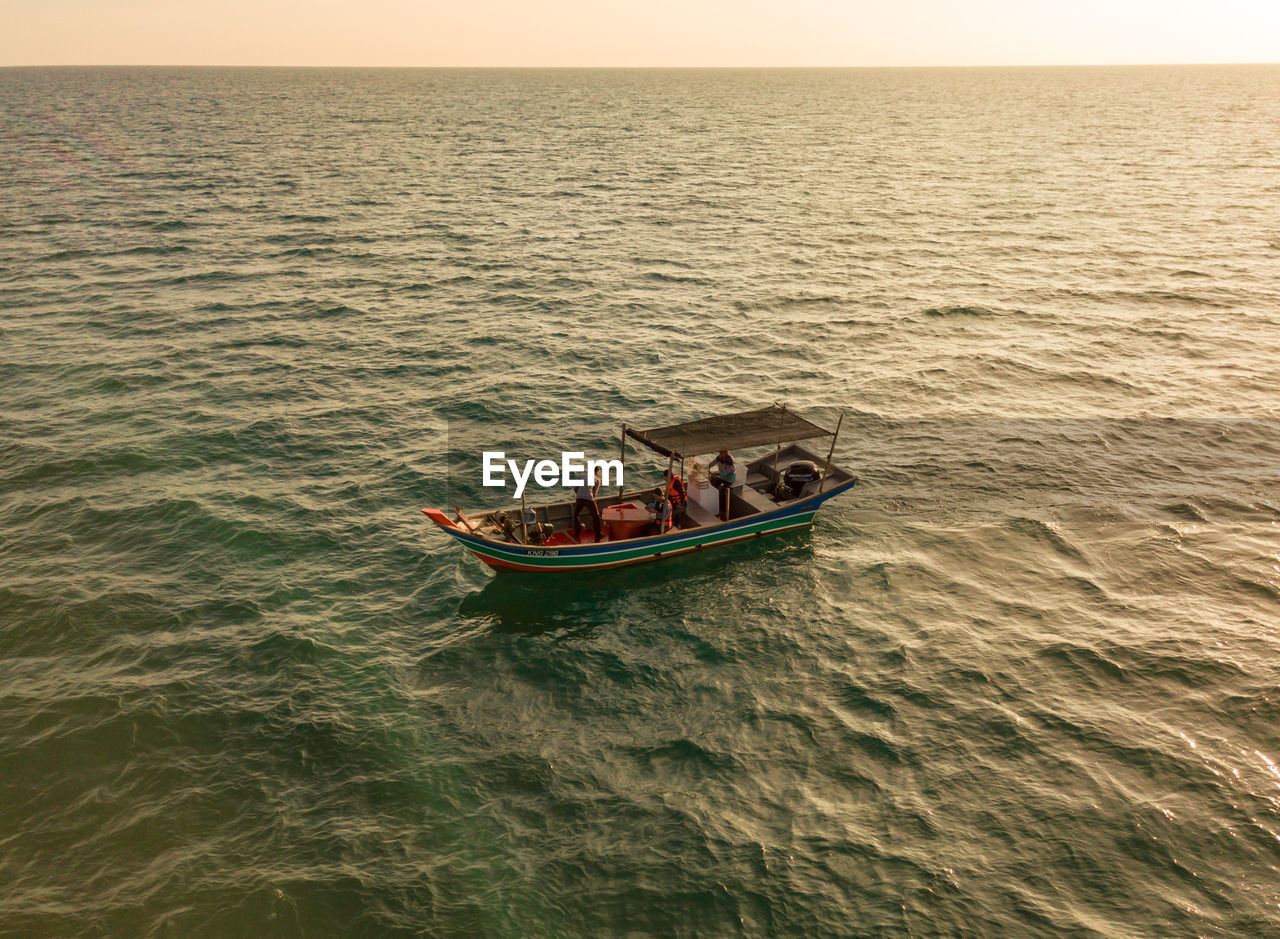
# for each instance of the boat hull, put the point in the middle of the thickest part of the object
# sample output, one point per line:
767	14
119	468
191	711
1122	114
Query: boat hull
606	555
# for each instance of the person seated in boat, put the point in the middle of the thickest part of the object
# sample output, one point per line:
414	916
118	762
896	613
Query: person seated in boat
504	524
720	472
585	498
661	509
677	495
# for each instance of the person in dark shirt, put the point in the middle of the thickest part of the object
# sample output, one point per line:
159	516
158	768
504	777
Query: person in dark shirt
585	498
721	473
661	509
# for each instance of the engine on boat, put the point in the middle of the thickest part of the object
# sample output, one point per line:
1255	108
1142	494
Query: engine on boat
795	477
538	531
512	531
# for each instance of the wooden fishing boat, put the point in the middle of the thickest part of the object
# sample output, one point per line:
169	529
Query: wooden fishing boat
768	495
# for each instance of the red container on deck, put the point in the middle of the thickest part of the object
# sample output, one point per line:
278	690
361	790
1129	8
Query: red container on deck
627	520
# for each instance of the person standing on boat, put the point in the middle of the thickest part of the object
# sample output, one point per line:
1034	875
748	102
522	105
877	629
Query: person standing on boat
721	473
677	497
585	497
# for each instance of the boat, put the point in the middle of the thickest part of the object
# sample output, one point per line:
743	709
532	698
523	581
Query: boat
779	491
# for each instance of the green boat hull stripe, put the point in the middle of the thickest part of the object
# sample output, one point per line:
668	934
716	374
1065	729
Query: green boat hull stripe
573	559
609	550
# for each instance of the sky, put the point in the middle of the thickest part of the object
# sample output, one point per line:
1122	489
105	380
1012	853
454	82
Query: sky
637	33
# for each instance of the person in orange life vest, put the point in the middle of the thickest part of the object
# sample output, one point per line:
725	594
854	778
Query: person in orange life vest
677	496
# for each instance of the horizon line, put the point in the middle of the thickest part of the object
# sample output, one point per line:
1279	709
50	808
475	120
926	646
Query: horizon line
641	67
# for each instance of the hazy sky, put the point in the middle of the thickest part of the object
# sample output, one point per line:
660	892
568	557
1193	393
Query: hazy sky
641	32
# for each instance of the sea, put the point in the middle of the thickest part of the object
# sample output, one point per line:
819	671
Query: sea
1024	679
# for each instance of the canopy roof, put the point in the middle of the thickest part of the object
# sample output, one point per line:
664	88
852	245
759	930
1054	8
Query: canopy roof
762	427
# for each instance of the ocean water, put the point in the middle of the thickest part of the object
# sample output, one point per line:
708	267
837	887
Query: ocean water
1023	680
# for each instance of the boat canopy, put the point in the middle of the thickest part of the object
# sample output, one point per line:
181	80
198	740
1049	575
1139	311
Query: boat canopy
762	427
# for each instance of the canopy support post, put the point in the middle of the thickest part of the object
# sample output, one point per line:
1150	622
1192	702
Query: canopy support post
831	453
622	458
666	494
778	449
